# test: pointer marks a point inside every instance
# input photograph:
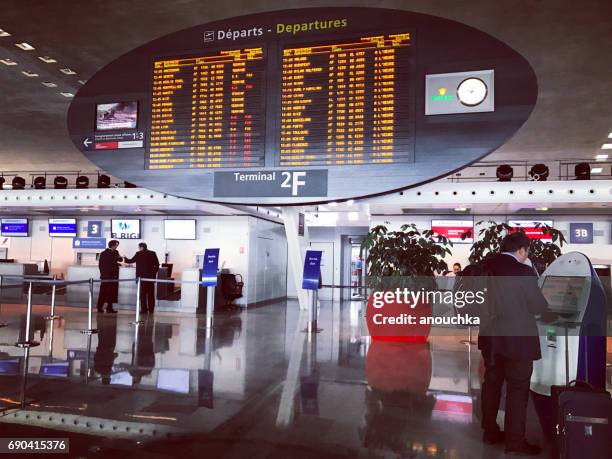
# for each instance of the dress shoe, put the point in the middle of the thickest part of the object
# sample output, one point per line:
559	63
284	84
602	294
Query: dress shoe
491	438
111	311
524	449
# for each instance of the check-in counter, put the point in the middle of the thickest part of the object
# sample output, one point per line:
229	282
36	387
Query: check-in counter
15	269
190	291
76	294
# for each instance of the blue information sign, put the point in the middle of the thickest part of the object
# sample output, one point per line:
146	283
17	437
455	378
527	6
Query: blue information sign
209	268
94	228
89	243
312	269
581	233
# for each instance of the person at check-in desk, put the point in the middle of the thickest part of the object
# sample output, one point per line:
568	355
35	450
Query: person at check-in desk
109	270
147	266
509	343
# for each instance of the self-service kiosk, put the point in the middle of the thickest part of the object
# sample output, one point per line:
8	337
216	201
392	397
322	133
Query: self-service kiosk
574	345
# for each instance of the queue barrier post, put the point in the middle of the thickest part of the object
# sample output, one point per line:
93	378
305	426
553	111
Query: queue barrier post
210	308
2	324
137	321
469	341
52	316
90	330
311	327
27	342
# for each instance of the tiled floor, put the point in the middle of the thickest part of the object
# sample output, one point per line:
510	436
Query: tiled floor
258	387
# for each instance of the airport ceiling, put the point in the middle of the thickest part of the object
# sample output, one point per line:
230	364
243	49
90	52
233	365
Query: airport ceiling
567	42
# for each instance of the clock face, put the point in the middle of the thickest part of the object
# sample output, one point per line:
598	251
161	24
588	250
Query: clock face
472	91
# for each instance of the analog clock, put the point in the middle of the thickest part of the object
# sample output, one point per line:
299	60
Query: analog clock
472	91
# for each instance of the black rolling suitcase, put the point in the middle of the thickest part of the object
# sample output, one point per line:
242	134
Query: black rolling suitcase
583	417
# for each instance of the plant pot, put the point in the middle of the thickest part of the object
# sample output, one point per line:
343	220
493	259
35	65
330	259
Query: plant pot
403	332
399	367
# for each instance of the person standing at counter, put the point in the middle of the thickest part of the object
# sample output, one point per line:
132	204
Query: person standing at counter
510	343
147	266
109	270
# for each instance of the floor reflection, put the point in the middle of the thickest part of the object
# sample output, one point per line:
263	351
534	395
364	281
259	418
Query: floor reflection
258	384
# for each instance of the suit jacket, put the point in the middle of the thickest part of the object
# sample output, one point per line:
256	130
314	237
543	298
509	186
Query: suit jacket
147	263
513	288
109	264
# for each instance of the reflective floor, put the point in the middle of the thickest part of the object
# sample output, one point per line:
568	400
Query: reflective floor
258	387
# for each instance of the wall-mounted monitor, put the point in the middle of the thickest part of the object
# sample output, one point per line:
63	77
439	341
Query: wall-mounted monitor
56	369
453	229
531	228
173	380
116	115
62	227
15	227
180	229
125	228
10	366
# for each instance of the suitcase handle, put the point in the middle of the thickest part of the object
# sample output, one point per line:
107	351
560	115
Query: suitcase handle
578	383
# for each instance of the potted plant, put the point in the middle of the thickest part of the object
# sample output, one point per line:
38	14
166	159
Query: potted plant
542	253
405	259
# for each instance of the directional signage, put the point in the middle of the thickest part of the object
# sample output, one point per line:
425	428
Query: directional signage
89	243
209	268
581	233
94	228
113	141
312	269
270	183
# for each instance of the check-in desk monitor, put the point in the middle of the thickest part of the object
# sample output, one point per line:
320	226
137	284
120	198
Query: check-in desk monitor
573	345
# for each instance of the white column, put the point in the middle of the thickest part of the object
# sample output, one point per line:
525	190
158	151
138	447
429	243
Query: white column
296	251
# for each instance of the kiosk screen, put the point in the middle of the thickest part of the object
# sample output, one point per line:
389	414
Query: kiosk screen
563	293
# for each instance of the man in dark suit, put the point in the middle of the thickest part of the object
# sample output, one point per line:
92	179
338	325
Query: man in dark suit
109	270
147	266
509	343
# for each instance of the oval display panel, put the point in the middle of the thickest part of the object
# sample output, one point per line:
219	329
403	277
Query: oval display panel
303	106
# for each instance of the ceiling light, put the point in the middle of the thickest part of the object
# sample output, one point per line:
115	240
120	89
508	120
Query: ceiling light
8	61
47	59
68	71
610	135
606	146
29	74
67	94
596	170
82	81
25	46
601	157
542	209
49	84
350	202
460	209
4	33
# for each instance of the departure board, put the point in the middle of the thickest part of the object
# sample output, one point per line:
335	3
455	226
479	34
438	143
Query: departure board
347	102
207	111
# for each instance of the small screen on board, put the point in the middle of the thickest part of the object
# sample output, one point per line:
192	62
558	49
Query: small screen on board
117	115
